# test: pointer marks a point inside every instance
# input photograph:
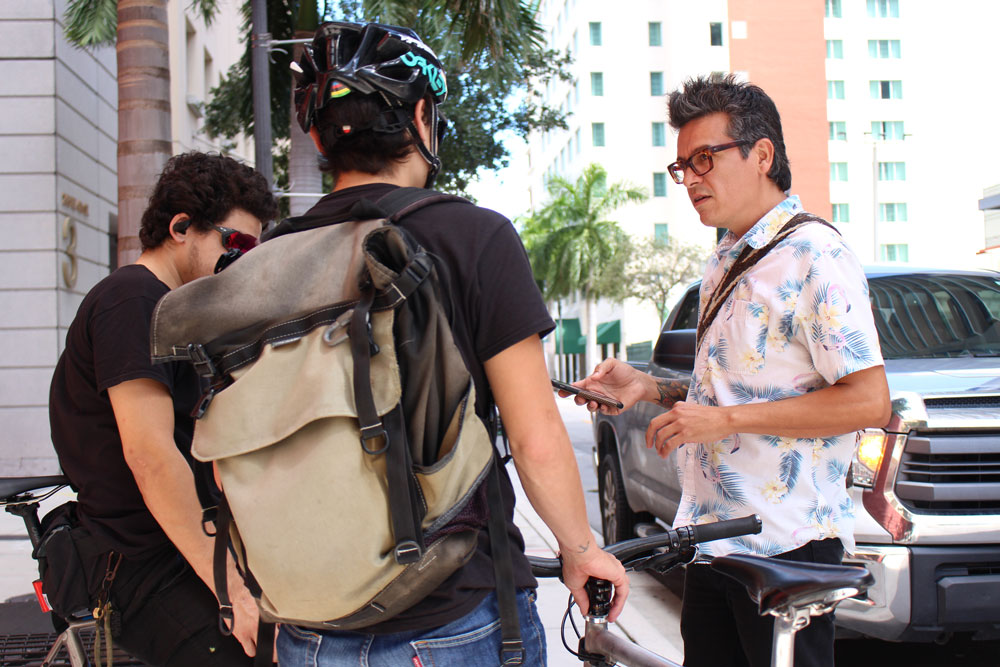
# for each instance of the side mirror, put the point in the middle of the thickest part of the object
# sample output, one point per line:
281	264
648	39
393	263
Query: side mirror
675	350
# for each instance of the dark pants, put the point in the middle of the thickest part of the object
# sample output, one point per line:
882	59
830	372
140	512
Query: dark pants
167	616
721	626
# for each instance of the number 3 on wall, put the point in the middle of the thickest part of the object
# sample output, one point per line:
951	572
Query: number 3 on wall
69	265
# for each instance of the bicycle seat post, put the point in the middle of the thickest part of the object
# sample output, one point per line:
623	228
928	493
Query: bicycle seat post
28	511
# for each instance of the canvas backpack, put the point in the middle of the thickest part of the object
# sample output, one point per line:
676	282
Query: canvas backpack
341	420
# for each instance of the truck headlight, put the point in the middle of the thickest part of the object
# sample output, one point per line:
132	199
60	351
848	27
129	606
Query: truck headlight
868	457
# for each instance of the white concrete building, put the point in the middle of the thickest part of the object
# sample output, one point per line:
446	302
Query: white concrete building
58	189
912	110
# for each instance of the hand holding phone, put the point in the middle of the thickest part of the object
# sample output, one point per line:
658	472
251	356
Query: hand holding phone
589	395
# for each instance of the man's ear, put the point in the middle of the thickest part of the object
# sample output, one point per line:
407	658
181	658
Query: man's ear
314	134
419	120
763	153
178	227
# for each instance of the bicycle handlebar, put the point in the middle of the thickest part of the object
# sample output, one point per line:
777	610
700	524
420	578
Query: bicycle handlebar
674	540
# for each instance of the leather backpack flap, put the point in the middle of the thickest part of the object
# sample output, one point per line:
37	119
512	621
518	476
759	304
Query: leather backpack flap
262	289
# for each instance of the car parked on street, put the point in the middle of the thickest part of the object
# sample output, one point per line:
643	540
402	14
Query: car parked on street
926	488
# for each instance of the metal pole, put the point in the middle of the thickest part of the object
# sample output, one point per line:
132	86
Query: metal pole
261	79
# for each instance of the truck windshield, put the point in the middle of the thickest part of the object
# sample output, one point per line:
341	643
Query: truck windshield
936	315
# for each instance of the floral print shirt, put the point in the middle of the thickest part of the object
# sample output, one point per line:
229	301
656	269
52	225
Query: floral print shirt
798	321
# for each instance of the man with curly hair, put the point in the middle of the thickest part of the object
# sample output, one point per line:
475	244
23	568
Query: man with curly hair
122	426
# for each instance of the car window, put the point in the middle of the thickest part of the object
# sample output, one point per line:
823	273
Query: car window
936	315
687	314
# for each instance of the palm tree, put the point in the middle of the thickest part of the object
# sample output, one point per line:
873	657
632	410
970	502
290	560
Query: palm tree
139	28
572	243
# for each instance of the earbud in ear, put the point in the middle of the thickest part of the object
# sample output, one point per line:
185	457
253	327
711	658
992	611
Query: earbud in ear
182	226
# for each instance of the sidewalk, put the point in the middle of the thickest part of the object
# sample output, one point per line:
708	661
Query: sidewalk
652	614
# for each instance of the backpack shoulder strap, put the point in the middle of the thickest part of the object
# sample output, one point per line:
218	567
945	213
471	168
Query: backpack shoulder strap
395	205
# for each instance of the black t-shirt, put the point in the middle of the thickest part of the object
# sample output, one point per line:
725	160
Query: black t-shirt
495	304
107	344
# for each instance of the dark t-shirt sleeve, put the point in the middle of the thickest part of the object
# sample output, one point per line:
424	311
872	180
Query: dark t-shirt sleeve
120	352
510	306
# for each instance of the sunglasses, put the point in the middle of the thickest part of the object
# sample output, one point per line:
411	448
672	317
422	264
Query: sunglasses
236	240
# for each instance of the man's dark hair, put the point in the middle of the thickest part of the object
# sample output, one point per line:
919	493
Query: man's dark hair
752	116
349	143
206	187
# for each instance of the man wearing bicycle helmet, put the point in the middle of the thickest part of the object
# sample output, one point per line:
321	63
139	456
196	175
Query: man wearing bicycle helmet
369	96
787	371
122	426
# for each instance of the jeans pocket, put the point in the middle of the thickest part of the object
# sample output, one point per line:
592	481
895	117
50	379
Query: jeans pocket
297	646
479	646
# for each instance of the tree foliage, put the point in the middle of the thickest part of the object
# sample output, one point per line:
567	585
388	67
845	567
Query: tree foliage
658	266
95	22
572	244
491	50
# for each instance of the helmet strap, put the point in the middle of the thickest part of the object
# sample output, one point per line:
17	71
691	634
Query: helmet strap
429	154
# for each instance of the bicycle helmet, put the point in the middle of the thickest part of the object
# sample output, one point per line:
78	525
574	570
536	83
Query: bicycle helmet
372	59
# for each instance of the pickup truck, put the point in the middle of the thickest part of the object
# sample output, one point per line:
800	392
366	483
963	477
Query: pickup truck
926	488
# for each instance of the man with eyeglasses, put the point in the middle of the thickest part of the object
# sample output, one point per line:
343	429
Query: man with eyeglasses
787	372
122	426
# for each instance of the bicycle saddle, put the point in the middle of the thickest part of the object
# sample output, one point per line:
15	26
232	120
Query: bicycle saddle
13	486
779	585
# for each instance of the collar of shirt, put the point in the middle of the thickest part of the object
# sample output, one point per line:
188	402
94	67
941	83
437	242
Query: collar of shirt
761	233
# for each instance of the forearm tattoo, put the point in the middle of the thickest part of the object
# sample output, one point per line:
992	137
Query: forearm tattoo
671	391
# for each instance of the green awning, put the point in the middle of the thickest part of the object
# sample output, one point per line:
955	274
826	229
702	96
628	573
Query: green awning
568	337
609	332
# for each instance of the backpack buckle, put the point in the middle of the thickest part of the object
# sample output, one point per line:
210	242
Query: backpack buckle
407	551
512	652
371	433
201	361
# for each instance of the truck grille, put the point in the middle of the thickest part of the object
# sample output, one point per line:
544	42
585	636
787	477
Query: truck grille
950	473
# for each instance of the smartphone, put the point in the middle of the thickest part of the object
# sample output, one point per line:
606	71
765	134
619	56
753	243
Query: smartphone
589	395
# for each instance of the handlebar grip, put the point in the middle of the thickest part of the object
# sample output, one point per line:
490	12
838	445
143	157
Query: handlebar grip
706	532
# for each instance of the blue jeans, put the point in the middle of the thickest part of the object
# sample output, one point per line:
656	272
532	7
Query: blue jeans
471	640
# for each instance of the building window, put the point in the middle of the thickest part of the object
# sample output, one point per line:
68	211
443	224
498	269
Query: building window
661	231
659	134
838	130
883	48
655	33
576	45
841	213
835	49
659	184
892	171
597	133
656	83
834	90
597	83
595	33
715	30
887	130
833	9
883	9
576	138
838	171
895	252
886	90
892	212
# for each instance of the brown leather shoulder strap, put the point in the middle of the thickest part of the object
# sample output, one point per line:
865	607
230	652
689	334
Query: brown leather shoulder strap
748	257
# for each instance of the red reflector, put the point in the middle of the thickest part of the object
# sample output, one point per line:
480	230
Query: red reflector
43	602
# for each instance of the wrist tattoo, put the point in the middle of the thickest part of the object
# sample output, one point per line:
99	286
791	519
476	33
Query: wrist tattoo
671	391
583	548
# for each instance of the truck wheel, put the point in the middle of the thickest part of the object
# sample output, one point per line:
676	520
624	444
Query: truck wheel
617	518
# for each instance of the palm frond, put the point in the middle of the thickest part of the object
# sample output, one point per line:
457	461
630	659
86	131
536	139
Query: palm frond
90	23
